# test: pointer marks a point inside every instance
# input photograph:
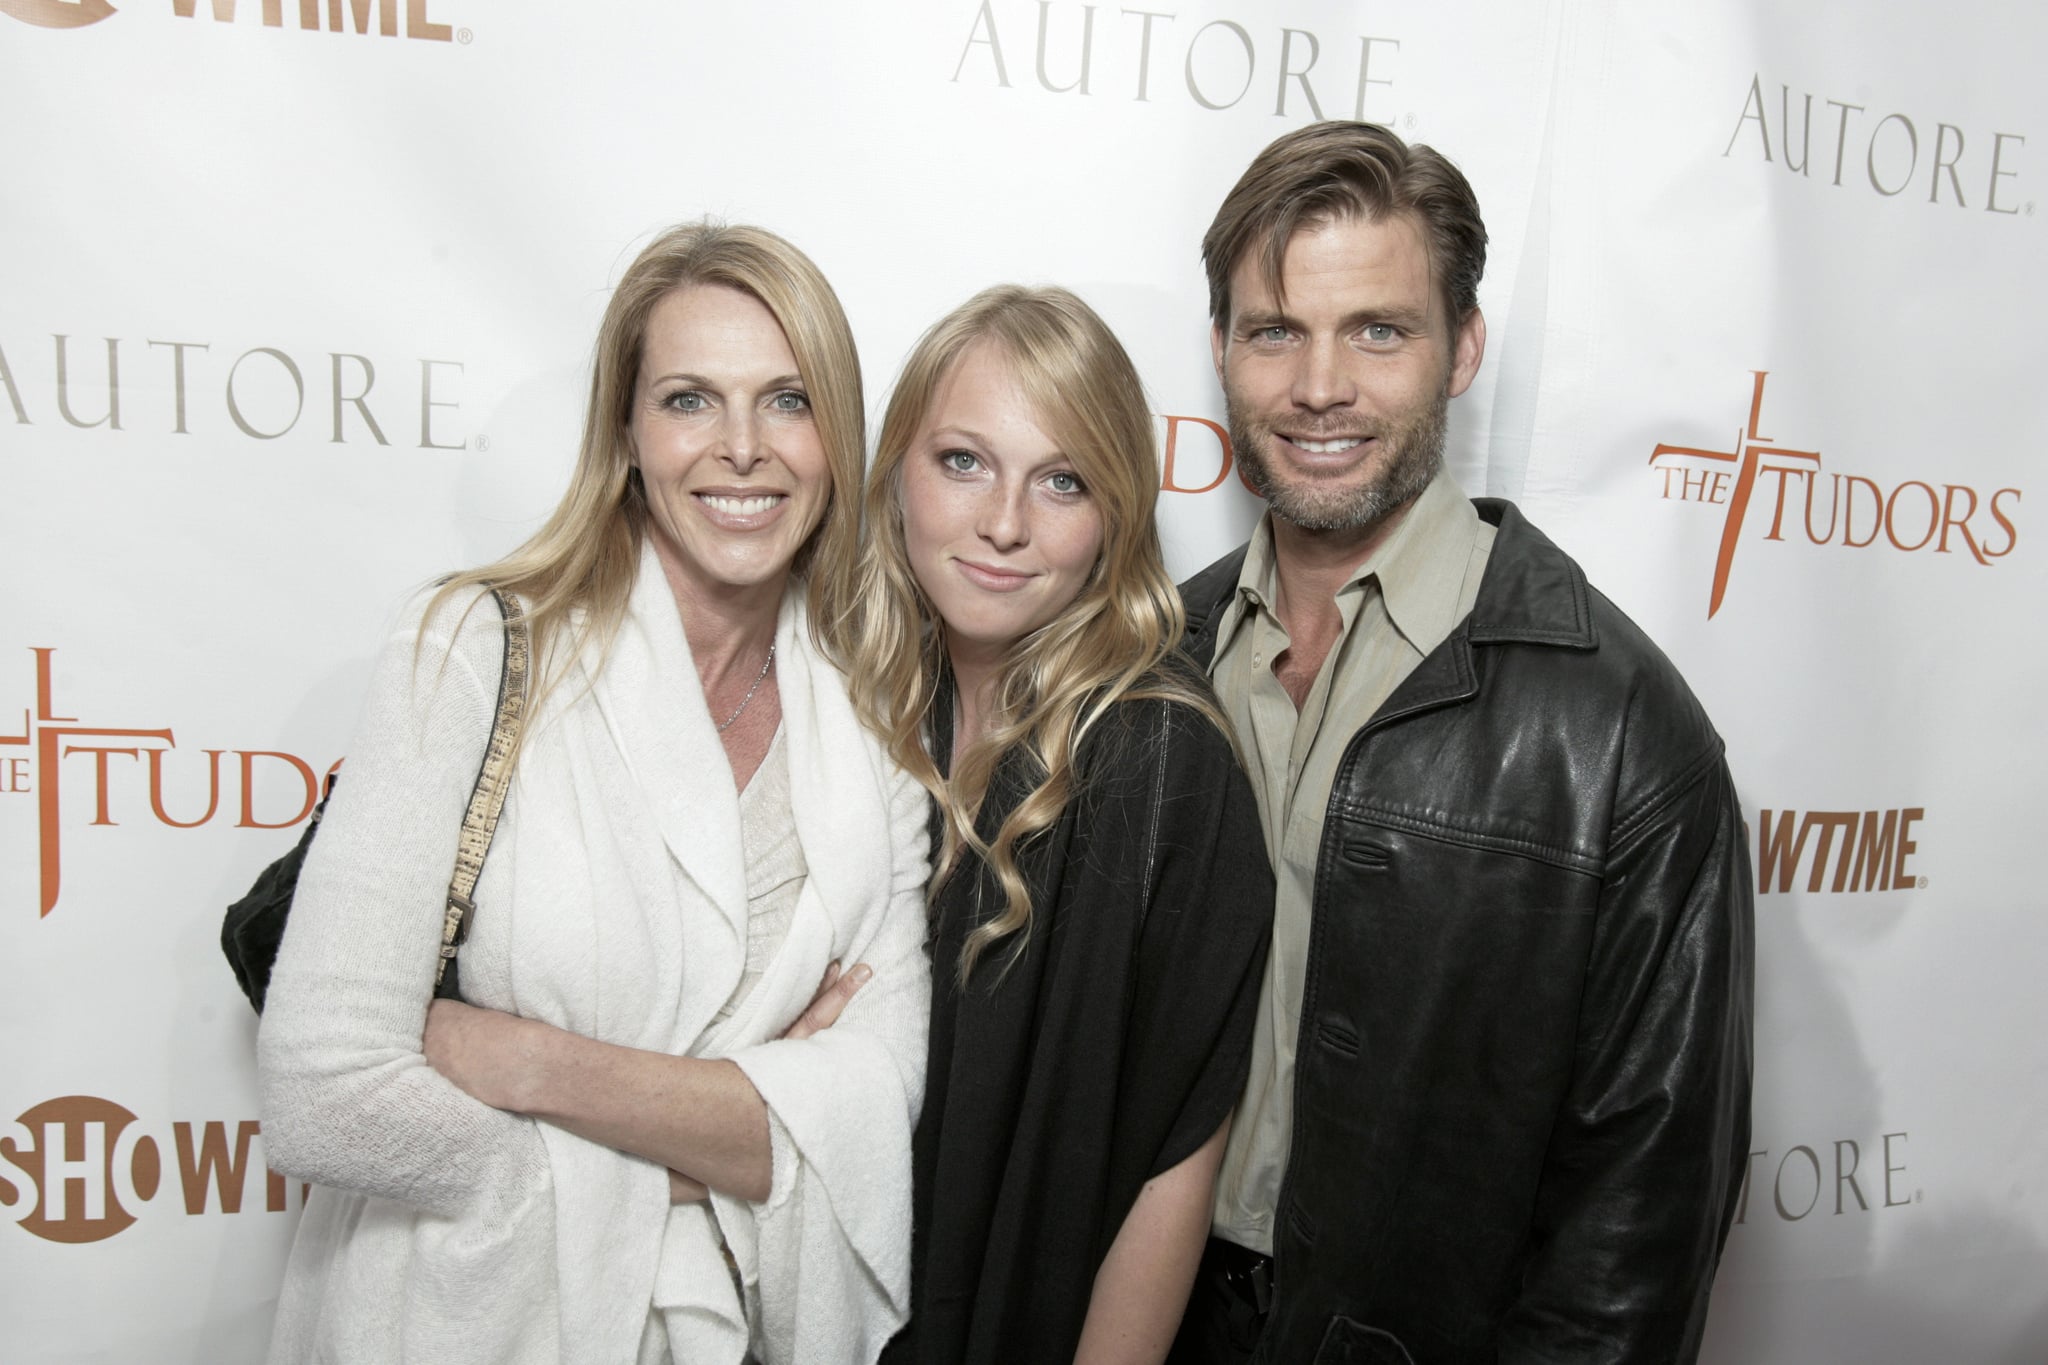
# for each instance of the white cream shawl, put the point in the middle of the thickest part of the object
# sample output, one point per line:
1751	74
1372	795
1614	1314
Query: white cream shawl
613	904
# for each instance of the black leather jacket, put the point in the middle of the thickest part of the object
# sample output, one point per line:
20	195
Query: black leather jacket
1521	1096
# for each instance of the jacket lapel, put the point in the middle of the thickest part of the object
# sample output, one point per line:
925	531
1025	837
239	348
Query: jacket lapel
1532	593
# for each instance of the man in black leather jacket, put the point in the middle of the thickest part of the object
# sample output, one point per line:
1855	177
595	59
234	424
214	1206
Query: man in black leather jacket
1501	1105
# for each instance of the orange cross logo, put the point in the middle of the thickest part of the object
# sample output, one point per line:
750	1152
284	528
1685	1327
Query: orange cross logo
1753	451
32	761
45	735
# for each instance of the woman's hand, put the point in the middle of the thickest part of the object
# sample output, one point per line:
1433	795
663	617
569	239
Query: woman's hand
489	1055
834	990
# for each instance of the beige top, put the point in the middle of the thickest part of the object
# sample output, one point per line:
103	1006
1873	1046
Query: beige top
775	878
1397	606
775	867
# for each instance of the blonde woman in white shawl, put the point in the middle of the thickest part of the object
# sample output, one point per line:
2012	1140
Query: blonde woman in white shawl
613	1153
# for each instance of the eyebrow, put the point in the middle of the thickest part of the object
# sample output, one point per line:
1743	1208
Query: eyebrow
967	434
1253	320
698	381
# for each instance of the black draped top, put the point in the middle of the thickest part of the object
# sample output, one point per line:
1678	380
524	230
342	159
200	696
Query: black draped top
1109	1051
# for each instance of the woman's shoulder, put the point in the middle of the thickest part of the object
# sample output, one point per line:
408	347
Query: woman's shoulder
1167	722
444	607
436	625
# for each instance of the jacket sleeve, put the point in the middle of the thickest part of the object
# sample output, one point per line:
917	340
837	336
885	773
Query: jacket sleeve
348	1100
1642	1172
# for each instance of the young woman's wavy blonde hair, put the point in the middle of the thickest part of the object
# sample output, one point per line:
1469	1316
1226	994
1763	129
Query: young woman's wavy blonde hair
587	554
1107	646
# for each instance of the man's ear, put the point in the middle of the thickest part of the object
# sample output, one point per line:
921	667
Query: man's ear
1467	350
1216	348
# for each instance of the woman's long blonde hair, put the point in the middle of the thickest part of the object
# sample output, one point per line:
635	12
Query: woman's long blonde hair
1108	645
575	574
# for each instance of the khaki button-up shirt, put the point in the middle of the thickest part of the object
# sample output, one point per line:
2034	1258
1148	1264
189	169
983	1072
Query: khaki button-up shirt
1397	606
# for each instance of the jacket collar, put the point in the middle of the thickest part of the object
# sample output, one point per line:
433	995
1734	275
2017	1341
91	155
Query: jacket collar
1204	596
1532	593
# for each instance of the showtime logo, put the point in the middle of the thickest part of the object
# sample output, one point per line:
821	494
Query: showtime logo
86	1168
284	786
1144	55
334	16
1853	512
1868	850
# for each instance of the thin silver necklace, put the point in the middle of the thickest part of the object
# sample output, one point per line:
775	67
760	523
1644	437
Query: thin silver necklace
759	678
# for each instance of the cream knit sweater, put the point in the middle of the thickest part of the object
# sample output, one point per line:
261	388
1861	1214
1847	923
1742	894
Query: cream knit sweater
613	903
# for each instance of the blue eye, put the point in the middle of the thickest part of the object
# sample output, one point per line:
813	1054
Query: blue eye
685	400
960	461
1380	333
1065	481
791	400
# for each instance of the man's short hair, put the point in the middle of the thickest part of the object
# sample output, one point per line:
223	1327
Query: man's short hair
1336	170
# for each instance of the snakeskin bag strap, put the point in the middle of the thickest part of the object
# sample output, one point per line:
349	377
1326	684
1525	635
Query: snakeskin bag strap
487	798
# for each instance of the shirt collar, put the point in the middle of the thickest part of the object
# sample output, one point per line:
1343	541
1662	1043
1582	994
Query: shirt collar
1256	585
1420	569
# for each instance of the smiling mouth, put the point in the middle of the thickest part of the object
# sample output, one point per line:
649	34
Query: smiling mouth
751	505
1336	445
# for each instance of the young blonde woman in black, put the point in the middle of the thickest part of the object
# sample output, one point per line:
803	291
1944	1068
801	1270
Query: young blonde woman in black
1101	898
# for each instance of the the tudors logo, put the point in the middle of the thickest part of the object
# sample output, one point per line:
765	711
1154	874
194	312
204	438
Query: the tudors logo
1911	516
34	759
1171	465
86	1167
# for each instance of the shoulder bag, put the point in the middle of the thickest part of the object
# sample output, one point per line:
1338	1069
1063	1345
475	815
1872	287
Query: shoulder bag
254	925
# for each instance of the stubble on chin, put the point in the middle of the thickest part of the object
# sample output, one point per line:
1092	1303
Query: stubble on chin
1413	452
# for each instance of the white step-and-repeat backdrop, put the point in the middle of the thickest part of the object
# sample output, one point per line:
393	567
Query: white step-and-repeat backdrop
296	299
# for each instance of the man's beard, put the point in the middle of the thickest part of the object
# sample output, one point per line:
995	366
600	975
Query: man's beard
1412	451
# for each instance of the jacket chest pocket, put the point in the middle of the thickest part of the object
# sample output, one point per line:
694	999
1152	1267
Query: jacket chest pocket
1400	876
1422	942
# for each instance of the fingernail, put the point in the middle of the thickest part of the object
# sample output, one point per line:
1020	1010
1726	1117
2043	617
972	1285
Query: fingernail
861	973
